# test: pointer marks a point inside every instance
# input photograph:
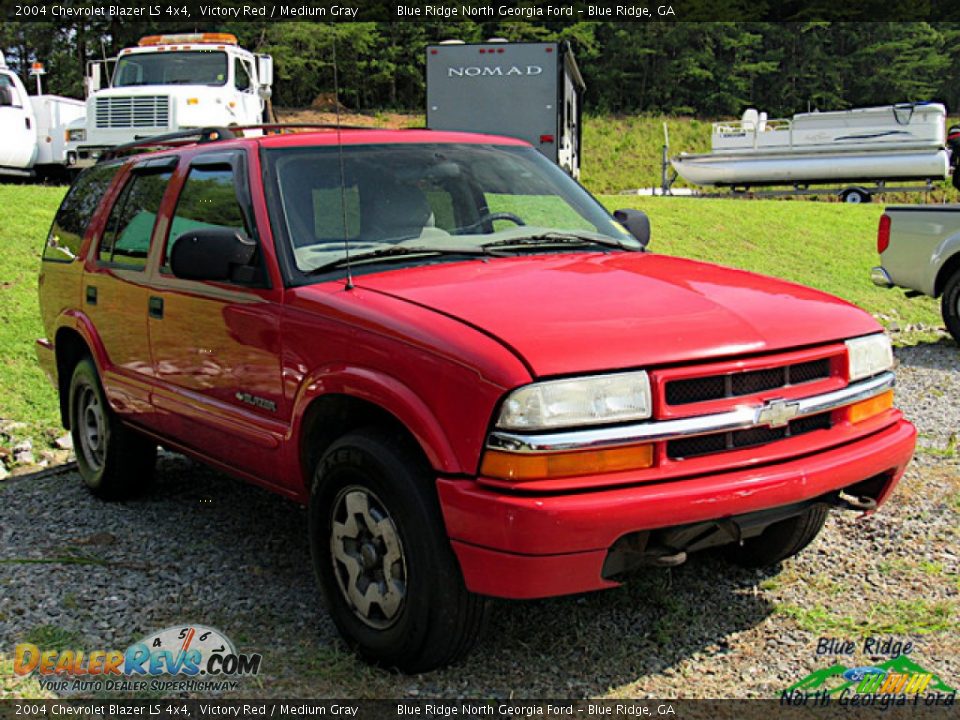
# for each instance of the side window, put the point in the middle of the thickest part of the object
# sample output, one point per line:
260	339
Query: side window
241	75
126	239
7	82
76	211
208	200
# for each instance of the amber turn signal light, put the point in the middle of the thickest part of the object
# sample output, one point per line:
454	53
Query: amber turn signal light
865	409
544	466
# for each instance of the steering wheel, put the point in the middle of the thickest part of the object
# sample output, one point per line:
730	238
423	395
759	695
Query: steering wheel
488	218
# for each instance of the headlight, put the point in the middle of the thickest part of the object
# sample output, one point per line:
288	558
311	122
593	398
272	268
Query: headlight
78	135
578	401
867	356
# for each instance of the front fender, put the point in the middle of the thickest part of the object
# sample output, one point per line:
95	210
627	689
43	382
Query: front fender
390	394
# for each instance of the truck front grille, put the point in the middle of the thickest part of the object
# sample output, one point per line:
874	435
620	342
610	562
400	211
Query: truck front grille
135	111
718	387
721	442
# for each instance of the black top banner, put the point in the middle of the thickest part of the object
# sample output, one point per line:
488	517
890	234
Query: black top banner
207	11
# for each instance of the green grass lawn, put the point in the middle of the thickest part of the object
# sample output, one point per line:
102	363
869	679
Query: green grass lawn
829	246
26	396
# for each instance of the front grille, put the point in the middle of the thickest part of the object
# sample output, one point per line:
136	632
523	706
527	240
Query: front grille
737	439
136	111
718	387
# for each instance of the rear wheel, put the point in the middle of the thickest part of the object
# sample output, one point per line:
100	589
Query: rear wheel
115	462
781	540
950	305
383	559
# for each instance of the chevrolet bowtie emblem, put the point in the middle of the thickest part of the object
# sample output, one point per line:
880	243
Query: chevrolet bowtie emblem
777	413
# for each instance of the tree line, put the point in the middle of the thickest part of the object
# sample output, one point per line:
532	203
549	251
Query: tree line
707	70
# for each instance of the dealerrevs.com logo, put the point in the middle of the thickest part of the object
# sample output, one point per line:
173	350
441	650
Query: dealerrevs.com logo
176	659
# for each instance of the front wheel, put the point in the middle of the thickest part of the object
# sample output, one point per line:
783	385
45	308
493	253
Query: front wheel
382	557
950	306
781	540
114	461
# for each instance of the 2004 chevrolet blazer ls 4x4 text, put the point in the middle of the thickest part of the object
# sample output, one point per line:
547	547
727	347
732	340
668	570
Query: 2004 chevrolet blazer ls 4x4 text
479	381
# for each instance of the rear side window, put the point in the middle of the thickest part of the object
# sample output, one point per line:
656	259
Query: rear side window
126	240
76	211
208	200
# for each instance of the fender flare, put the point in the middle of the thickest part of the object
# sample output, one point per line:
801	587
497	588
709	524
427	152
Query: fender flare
82	325
389	394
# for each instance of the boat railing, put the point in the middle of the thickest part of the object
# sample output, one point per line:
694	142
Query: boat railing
738	133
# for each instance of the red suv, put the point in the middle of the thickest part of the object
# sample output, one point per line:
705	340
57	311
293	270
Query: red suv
479	381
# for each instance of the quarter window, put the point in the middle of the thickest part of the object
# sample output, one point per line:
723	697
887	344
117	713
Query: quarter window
76	211
126	240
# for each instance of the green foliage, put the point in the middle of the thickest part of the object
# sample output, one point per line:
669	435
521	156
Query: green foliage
707	69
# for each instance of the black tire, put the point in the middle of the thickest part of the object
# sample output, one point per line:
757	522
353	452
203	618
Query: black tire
950	306
781	540
426	618
856	195
115	461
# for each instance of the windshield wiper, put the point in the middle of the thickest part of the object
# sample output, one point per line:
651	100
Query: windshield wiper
394	252
557	238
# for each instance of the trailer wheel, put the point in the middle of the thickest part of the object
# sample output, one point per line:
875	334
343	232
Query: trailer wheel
855	195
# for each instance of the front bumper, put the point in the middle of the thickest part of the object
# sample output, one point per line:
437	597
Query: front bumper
527	546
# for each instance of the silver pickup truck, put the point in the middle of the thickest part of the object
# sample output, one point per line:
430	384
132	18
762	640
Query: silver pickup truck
919	248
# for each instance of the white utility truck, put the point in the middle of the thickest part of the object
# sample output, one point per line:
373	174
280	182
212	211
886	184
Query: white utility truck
169	83
32	127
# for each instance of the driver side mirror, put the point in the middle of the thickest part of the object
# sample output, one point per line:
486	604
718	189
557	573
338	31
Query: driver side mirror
220	253
637	224
6	97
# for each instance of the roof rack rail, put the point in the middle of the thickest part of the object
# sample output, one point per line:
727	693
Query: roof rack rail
214	134
170	140
279	128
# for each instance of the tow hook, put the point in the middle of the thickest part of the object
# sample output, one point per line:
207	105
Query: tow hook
850	502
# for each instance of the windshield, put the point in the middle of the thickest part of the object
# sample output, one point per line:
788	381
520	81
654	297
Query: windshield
195	67
435	198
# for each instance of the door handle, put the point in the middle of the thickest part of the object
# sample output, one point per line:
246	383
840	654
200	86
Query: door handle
155	306
91	294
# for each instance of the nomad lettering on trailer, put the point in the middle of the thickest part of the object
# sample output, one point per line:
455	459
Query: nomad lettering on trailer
497	71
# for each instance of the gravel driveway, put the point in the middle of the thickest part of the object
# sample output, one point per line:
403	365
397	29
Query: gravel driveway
205	549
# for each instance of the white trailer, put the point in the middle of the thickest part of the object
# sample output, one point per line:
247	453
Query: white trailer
530	91
169	83
32	127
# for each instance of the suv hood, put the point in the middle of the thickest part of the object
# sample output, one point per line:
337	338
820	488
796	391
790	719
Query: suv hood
576	313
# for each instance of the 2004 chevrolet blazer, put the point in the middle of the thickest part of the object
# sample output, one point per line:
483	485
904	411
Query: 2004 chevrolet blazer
479	381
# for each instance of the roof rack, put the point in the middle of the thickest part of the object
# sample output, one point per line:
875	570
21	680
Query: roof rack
170	140
200	136
280	128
